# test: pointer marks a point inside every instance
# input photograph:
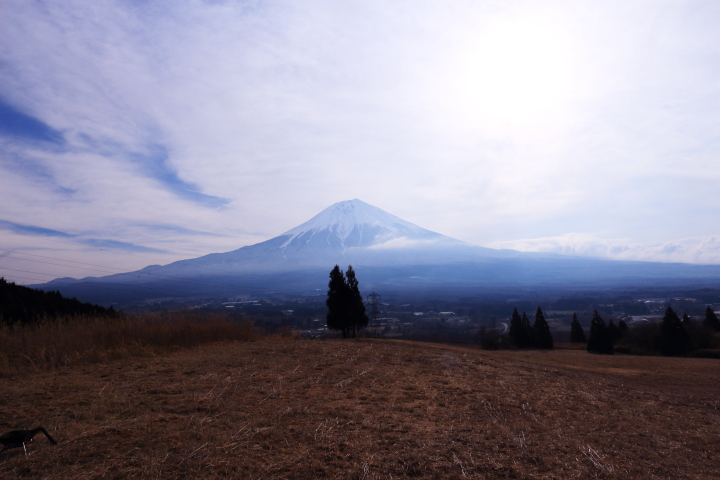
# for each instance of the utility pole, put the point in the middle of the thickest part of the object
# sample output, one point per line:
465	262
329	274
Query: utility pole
373	299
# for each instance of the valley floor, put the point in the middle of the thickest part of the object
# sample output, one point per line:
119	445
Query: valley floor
369	409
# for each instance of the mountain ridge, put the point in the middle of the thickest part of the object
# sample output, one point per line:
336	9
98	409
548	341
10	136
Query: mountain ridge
388	253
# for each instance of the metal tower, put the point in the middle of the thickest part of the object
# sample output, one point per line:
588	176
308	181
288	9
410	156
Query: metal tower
373	299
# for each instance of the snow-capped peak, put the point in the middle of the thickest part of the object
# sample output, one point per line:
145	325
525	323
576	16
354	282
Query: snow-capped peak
366	224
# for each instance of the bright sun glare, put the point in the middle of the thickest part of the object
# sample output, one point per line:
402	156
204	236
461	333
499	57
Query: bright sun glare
516	71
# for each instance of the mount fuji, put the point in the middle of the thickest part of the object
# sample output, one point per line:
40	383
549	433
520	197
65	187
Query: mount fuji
389	254
349	232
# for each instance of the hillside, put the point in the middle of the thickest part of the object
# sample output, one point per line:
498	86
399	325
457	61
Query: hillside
370	409
22	304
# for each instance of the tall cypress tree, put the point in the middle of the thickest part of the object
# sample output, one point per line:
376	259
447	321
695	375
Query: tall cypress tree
357	317
674	340
623	327
337	304
577	334
613	331
528	333
516	332
711	320
543	338
599	341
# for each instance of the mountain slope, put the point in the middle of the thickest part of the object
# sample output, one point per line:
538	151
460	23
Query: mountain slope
346	232
389	253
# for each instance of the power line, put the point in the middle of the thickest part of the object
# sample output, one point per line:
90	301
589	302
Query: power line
40	280
88	247
89	285
81	284
123	271
62	260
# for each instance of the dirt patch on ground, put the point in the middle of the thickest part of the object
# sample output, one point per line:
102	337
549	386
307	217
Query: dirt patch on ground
369	409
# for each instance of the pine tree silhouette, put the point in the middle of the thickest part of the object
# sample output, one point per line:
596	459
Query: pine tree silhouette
543	338
599	341
358	319
577	334
528	332
623	328
711	320
337	295
346	310
674	340
613	331
516	332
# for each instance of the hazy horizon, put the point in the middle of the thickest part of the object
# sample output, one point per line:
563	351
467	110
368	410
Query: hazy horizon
134	133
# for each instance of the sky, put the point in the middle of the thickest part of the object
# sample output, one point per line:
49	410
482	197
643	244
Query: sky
141	132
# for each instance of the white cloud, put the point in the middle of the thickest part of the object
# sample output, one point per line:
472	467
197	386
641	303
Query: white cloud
402	242
434	112
705	250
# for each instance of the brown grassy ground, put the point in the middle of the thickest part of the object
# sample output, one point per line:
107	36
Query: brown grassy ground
65	341
369	409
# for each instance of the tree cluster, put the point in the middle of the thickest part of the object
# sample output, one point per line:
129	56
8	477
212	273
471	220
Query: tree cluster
711	320
346	310
522	335
674	336
601	336
20	304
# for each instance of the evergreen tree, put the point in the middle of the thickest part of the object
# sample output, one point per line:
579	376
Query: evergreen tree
711	320
543	338
686	319
674	340
623	328
528	333
337	302
346	310
358	319
516	333
599	341
613	331
577	334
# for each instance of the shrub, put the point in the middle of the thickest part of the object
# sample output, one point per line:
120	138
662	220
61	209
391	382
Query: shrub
491	339
641	340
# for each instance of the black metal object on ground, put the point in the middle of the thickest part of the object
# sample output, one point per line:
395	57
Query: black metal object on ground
20	438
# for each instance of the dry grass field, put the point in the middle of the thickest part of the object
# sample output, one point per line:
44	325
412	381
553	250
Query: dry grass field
363	409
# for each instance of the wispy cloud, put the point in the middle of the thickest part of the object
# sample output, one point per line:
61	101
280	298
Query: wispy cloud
100	243
32	230
484	121
155	165
26	165
21	126
179	230
114	244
